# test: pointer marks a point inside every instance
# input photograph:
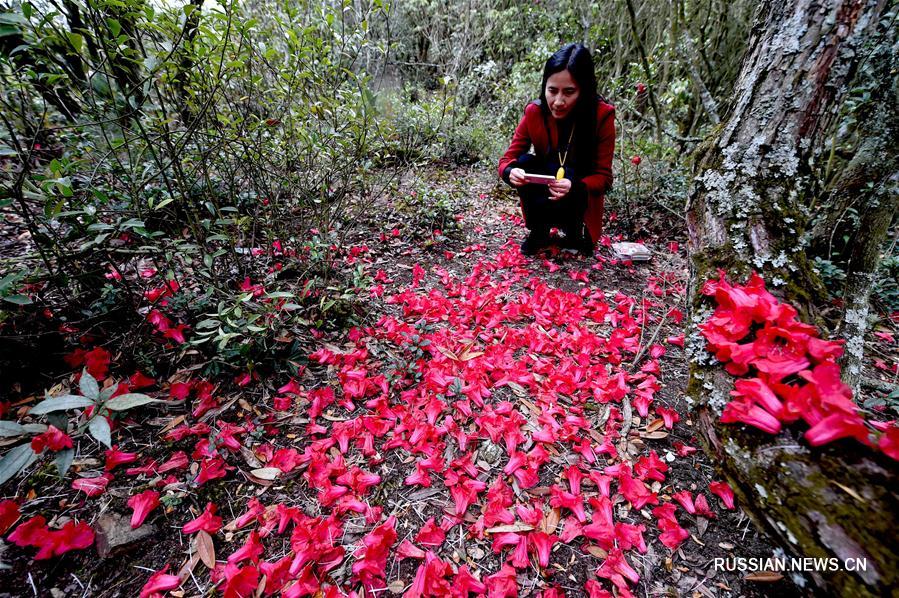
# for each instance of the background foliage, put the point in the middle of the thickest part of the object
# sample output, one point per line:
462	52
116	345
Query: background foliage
229	147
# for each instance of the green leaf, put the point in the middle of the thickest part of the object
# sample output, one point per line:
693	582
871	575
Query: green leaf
64	460
19	299
8	429
15	461
114	27
123	402
60	403
106	393
99	429
89	386
76	40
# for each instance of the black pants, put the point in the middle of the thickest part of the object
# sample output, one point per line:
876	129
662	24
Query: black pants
542	213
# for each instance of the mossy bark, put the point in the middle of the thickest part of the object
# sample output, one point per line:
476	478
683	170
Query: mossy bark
750	210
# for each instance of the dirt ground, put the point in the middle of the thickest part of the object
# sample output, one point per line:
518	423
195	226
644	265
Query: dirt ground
462	299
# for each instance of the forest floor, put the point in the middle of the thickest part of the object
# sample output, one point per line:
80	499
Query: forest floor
491	403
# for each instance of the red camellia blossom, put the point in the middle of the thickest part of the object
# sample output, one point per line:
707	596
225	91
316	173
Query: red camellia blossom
140	380
212	468
208	521
251	549
92	486
142	504
430	534
9	514
115	457
723	491
34	532
889	441
783	352
96	361
53	439
160	294
158	583
371	561
72	536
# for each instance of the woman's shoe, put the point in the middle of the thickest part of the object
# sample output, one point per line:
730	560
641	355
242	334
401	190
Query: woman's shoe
579	243
534	242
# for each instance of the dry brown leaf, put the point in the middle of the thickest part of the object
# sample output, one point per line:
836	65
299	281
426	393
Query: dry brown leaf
596	436
518	389
513	527
597	551
655	425
396	587
538	491
851	492
266	473
449	354
249	457
657	435
205	549
764	576
469	356
531	407
551	521
188	566
176	421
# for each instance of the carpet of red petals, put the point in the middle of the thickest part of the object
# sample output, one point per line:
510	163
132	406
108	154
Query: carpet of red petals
501	429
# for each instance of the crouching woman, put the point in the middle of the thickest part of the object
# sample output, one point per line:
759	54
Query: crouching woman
572	132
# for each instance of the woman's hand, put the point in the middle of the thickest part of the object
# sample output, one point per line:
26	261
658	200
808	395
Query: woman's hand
559	189
516	177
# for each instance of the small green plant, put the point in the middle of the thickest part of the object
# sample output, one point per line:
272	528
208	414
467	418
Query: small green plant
432	208
96	408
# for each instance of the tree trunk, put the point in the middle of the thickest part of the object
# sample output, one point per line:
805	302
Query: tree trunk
877	165
749	211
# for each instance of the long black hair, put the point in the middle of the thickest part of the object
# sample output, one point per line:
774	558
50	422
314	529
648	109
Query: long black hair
577	60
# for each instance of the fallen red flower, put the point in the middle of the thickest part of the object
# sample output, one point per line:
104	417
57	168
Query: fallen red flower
142	504
158	583
9	514
723	491
96	362
430	534
92	486
53	439
208	521
115	457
